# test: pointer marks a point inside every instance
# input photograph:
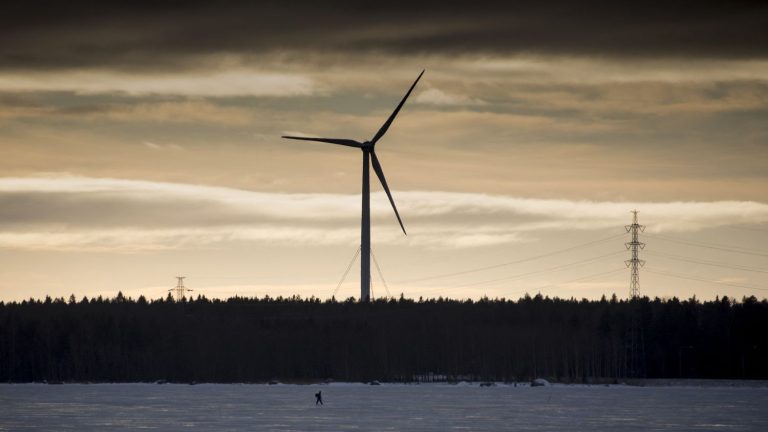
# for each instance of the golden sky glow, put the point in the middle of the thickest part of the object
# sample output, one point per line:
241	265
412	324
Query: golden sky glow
131	156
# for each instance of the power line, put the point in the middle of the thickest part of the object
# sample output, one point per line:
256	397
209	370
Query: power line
709	263
523	275
581	278
478	269
693	278
562	266
725	248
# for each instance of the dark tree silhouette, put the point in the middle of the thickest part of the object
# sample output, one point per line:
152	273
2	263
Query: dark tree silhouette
294	339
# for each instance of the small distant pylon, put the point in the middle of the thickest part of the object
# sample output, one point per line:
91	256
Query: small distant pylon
179	290
634	263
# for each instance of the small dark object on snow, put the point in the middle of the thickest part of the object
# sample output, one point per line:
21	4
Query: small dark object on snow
374	382
488	384
319	398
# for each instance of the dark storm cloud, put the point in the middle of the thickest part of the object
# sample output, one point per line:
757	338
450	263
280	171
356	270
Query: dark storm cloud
52	34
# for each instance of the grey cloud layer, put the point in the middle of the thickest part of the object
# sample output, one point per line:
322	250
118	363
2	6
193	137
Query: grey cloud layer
124	215
157	35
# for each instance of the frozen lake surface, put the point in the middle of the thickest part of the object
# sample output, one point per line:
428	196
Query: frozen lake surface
359	407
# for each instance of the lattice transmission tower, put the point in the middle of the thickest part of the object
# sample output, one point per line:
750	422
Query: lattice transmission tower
179	290
634	263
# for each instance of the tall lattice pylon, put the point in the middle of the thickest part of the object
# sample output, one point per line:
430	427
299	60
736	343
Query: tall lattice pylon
179	290
634	263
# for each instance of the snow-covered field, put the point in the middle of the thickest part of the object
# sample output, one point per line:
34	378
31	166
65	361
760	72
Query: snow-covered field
425	407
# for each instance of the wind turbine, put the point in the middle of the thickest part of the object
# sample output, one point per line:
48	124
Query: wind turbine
369	154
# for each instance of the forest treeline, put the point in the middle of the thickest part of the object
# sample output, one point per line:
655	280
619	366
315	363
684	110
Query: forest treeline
294	339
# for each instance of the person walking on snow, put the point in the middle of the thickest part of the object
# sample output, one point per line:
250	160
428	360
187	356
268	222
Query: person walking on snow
319	398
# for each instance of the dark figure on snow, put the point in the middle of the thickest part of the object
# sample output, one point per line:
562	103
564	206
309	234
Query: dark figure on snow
319	398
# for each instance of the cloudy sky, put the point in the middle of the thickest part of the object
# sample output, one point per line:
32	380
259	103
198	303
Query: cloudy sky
142	141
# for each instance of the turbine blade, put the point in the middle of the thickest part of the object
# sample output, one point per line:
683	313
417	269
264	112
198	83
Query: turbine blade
384	128
380	175
340	141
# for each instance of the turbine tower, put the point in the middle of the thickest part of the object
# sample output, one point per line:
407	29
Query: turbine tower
369	157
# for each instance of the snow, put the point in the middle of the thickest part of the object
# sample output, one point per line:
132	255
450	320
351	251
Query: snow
425	407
